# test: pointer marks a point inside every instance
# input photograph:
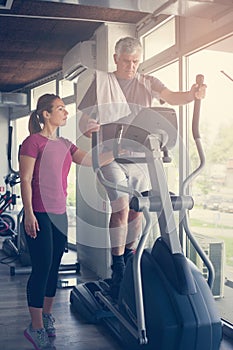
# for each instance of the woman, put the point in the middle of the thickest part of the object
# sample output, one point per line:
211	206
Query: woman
45	160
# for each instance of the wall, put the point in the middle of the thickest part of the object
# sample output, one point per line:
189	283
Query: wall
197	32
106	37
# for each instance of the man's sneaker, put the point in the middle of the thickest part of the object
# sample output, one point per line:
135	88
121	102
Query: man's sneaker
49	321
128	254
39	338
117	276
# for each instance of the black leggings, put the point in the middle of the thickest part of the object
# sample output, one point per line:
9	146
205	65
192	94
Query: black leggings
46	252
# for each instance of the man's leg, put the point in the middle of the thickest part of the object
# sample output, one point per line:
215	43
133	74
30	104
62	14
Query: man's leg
122	236
133	234
118	228
134	229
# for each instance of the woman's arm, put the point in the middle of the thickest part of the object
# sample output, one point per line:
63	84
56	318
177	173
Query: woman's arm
88	125
26	168
85	158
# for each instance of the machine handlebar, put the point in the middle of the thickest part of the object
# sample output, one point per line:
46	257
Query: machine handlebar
196	109
95	151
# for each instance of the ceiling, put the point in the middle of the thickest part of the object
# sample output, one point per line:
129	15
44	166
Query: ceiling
35	35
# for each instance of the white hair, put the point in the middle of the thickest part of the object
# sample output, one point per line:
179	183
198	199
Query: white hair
128	45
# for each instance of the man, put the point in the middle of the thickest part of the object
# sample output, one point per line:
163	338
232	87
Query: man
133	91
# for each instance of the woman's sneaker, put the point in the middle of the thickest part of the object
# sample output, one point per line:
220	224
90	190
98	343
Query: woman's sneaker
39	338
49	321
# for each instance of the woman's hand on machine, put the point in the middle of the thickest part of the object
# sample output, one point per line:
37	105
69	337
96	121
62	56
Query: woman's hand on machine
92	125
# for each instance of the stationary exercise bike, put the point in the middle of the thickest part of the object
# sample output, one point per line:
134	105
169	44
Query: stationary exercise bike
8	199
165	303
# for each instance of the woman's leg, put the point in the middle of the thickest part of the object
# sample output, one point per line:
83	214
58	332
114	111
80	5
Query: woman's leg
48	305
59	239
41	258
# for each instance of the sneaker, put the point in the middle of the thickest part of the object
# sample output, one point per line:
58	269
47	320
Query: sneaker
49	321
117	276
128	254
38	337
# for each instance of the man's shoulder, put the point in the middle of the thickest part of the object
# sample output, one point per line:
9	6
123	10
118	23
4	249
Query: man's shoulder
150	81
142	76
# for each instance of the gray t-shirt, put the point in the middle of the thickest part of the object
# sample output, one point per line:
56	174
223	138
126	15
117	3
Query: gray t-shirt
139	93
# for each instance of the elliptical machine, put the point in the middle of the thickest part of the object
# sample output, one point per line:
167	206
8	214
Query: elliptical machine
165	303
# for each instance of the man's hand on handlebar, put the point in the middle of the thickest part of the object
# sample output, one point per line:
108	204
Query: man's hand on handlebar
198	92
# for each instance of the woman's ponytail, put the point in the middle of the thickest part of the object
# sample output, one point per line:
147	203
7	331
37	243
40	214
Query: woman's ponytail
36	120
34	124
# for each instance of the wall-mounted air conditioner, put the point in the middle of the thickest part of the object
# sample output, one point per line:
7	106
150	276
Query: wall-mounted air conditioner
11	99
79	59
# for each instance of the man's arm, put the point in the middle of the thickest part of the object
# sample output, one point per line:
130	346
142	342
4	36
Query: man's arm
88	107
181	98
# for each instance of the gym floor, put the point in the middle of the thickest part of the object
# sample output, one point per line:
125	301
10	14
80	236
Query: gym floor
73	332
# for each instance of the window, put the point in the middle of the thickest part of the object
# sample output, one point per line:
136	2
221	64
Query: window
66	88
211	219
159	39
48	88
212	216
170	77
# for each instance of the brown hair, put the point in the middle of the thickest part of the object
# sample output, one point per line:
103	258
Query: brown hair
44	103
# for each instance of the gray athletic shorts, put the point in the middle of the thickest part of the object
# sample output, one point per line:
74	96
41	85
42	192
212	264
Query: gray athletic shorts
133	175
